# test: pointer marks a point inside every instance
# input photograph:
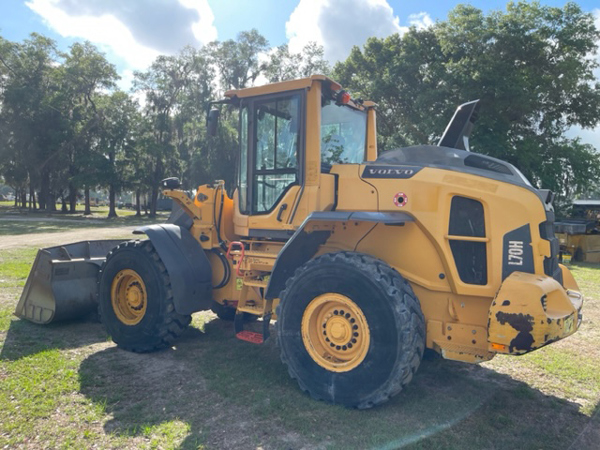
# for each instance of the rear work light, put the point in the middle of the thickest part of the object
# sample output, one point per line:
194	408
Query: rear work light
343	97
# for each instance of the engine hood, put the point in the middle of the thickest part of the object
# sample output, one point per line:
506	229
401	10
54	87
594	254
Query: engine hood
405	162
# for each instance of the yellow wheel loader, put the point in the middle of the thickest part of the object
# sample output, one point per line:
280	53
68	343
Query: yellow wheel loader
364	261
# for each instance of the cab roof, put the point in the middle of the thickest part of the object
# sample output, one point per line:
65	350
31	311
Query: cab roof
292	85
302	83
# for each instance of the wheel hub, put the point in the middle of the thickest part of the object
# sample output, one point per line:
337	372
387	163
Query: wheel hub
335	332
135	296
128	297
339	329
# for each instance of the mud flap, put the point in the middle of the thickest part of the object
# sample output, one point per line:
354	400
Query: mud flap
531	311
62	283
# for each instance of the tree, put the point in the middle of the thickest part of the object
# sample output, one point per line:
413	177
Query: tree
283	65
238	62
30	121
84	74
116	142
49	117
168	85
529	65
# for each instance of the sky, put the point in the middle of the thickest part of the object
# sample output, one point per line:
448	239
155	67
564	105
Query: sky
132	33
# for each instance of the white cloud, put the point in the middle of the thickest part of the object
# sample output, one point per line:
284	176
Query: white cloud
203	29
420	21
136	32
338	25
104	30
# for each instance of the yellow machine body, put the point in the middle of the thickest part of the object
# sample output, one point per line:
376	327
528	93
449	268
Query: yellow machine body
509	313
460	245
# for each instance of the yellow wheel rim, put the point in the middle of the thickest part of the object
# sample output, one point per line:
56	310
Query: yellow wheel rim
335	332
128	297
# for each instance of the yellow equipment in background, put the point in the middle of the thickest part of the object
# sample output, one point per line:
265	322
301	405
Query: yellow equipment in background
364	260
579	235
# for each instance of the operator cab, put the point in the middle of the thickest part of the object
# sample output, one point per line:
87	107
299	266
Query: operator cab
283	160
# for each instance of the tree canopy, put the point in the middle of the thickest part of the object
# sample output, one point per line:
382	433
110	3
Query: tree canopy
531	66
65	128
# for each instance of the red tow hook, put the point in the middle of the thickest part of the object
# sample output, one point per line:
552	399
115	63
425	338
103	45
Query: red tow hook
230	248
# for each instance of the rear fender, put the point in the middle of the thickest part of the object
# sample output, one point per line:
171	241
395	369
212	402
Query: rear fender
187	264
305	242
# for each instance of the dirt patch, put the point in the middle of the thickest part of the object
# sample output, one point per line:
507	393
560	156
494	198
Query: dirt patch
52	239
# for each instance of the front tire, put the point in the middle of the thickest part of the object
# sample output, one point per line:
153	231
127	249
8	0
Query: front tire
135	301
351	330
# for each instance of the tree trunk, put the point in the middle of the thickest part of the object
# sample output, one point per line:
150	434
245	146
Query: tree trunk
153	201
32	199
16	197
112	210
138	211
64	209
158	175
44	190
23	198
51	202
72	198
88	209
32	204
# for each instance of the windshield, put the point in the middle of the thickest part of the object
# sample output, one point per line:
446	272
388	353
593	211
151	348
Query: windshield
343	134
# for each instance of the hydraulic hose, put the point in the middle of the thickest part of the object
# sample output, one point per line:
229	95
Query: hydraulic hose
226	269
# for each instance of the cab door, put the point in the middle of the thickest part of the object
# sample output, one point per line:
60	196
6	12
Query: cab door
270	166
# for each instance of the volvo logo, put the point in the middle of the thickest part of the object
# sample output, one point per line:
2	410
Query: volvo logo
390	171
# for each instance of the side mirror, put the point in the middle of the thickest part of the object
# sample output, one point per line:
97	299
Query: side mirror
212	121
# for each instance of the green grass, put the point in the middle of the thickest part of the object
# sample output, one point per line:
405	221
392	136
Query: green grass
66	385
15	265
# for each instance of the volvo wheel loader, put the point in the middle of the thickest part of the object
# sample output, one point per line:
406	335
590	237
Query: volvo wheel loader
364	261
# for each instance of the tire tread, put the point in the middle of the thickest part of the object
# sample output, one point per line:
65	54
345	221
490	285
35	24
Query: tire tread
407	310
172	324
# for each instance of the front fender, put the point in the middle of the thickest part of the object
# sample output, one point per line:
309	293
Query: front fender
186	263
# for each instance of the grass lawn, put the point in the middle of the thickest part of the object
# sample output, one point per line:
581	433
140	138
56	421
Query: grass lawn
67	385
9	207
21	222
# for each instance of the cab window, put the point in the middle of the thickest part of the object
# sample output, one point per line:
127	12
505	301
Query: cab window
343	134
276	152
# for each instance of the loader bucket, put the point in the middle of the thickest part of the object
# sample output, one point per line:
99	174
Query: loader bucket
62	283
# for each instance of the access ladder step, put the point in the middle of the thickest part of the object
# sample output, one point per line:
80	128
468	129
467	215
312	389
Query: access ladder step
250	336
256	283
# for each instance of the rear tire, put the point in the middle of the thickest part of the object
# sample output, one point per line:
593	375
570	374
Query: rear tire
351	330
135	301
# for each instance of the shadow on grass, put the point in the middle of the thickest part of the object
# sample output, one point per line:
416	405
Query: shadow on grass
24	338
40	224
19	227
233	394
